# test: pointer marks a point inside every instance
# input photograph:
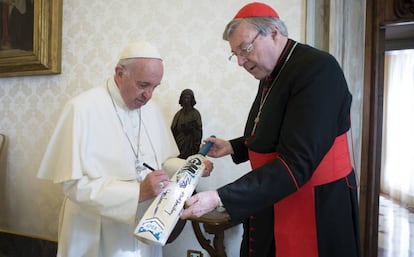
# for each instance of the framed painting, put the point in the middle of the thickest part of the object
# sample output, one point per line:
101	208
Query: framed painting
31	37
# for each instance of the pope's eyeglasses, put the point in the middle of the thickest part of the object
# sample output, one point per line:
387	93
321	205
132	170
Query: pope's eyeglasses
244	51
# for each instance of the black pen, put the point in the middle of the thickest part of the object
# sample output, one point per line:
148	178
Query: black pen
147	166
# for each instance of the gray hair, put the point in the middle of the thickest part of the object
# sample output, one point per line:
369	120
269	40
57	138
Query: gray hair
126	63
264	25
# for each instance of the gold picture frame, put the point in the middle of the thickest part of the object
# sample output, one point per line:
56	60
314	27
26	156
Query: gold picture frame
44	56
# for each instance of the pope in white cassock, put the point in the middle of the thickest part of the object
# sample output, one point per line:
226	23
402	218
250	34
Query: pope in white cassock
97	151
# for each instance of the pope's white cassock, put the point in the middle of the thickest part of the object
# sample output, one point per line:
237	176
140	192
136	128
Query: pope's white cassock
92	154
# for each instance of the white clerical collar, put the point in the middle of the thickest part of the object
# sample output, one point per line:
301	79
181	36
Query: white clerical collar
116	95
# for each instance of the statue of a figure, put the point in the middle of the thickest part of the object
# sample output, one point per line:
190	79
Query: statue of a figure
186	125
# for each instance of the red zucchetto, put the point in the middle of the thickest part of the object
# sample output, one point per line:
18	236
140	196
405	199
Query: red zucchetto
256	9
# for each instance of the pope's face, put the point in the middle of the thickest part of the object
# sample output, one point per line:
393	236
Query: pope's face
138	81
264	53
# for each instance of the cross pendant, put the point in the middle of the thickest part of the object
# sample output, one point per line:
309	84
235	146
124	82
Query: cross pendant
138	166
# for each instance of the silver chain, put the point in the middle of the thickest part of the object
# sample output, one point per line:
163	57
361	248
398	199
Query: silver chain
138	166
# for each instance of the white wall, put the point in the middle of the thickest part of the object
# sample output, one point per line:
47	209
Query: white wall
188	34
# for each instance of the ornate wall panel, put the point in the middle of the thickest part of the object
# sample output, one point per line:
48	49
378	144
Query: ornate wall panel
397	11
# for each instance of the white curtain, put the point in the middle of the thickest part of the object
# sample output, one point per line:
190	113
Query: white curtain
397	178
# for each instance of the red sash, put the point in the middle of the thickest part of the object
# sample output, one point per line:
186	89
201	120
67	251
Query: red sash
294	216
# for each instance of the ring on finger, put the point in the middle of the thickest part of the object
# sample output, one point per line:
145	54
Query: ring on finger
162	185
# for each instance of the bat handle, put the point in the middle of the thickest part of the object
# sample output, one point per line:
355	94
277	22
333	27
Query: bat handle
204	150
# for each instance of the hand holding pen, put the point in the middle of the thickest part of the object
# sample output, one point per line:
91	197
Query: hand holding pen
153	184
162	185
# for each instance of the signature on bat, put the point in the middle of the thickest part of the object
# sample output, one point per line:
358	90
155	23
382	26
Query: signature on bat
163	196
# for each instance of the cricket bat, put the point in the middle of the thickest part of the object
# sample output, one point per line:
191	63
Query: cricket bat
162	215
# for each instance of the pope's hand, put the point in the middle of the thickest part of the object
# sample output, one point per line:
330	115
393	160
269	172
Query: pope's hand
200	204
153	184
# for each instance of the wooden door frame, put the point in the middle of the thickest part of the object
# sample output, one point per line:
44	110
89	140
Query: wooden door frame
371	130
380	15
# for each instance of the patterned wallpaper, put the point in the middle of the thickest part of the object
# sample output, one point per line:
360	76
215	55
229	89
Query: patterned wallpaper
188	34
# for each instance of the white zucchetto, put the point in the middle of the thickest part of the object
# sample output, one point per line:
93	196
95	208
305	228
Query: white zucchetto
140	49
